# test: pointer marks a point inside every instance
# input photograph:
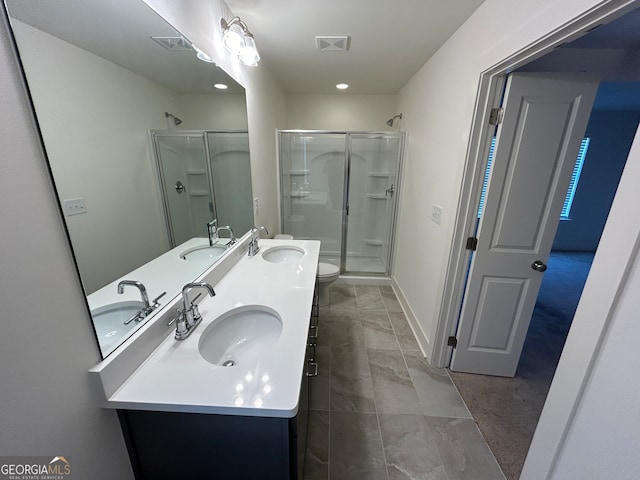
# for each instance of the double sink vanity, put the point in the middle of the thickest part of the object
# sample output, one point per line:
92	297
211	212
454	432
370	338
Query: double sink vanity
230	399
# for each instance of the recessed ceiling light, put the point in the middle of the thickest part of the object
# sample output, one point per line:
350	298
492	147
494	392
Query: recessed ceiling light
342	86
221	86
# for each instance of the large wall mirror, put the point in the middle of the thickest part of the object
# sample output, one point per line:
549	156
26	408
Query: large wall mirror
145	150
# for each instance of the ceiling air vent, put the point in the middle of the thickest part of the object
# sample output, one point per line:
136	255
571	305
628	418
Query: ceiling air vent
332	43
173	44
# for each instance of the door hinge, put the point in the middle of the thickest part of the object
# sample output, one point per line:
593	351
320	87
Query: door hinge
452	342
496	116
472	243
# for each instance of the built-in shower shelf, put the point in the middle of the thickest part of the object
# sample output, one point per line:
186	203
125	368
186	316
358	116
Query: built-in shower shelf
299	172
196	172
373	242
379	174
377	196
196	193
298	194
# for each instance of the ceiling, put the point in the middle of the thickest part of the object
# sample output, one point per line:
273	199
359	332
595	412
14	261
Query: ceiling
120	31
389	40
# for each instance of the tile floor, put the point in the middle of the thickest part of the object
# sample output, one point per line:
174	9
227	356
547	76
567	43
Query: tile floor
378	411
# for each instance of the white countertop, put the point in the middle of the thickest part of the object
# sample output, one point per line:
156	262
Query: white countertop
175	378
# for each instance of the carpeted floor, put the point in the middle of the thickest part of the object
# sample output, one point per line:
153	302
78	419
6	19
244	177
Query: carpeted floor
507	409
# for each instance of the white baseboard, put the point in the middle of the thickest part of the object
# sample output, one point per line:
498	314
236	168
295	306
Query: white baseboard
421	338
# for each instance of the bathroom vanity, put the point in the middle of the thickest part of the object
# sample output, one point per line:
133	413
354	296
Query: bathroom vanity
231	400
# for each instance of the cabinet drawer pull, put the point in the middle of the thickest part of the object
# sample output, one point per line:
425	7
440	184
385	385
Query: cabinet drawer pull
313	332
313	365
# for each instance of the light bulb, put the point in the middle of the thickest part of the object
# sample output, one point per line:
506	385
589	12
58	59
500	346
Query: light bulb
249	54
233	39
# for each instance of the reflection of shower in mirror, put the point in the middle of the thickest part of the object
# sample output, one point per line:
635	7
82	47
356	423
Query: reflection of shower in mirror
175	119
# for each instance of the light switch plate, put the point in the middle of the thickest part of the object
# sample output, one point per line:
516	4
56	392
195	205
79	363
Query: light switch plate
74	206
255	207
436	214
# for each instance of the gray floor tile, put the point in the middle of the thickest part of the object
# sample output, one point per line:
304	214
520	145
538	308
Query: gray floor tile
437	393
355	447
463	451
324	327
369	298
346	330
351	386
343	297
392	387
406	339
316	462
320	385
410	449
378	332
390	300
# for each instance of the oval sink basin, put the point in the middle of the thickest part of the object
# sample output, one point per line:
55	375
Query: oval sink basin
109	323
203	253
283	254
240	335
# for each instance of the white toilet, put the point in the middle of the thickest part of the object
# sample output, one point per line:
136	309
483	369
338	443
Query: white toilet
327	274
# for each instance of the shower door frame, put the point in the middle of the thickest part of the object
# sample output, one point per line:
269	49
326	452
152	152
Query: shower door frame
347	177
153	136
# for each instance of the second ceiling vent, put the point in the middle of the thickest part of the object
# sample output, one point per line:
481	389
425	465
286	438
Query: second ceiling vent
332	43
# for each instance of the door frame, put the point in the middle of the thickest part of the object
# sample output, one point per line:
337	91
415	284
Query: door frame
549	438
489	96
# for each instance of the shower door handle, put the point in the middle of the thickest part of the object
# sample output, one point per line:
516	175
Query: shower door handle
389	191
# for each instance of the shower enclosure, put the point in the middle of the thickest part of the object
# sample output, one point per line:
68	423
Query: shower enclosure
204	175
341	188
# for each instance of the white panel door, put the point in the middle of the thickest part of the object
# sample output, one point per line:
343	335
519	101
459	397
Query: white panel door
545	116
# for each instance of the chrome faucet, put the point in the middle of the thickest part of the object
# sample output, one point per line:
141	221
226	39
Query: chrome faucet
146	307
232	238
189	317
254	248
212	231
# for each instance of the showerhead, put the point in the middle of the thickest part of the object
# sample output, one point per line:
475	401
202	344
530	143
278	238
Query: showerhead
176	120
391	120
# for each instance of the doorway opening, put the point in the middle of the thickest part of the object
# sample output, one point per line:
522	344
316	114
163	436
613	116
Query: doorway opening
518	401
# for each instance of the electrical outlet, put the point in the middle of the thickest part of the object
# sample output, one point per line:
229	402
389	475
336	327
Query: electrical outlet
74	206
255	208
436	214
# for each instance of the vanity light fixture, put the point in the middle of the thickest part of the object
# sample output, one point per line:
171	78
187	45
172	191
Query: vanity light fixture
221	86
237	38
342	86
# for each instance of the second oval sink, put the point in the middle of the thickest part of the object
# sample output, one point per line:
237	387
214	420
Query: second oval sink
203	253
283	254
239	335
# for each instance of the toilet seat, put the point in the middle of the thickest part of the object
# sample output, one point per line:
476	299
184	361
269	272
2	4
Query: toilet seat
327	270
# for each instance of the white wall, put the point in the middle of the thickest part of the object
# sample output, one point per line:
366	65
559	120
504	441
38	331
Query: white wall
341	111
437	104
47	342
94	117
224	111
200	22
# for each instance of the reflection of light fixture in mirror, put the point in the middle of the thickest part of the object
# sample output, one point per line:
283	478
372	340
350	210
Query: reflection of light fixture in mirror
202	56
221	86
342	86
237	38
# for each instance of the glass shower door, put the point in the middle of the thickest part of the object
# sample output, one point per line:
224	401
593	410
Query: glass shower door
312	169
373	170
231	178
185	180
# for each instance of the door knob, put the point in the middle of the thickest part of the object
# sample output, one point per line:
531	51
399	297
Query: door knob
179	187
539	266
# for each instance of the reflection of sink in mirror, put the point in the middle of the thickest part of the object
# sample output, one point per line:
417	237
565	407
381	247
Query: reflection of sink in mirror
283	254
239	335
109	322
205	252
